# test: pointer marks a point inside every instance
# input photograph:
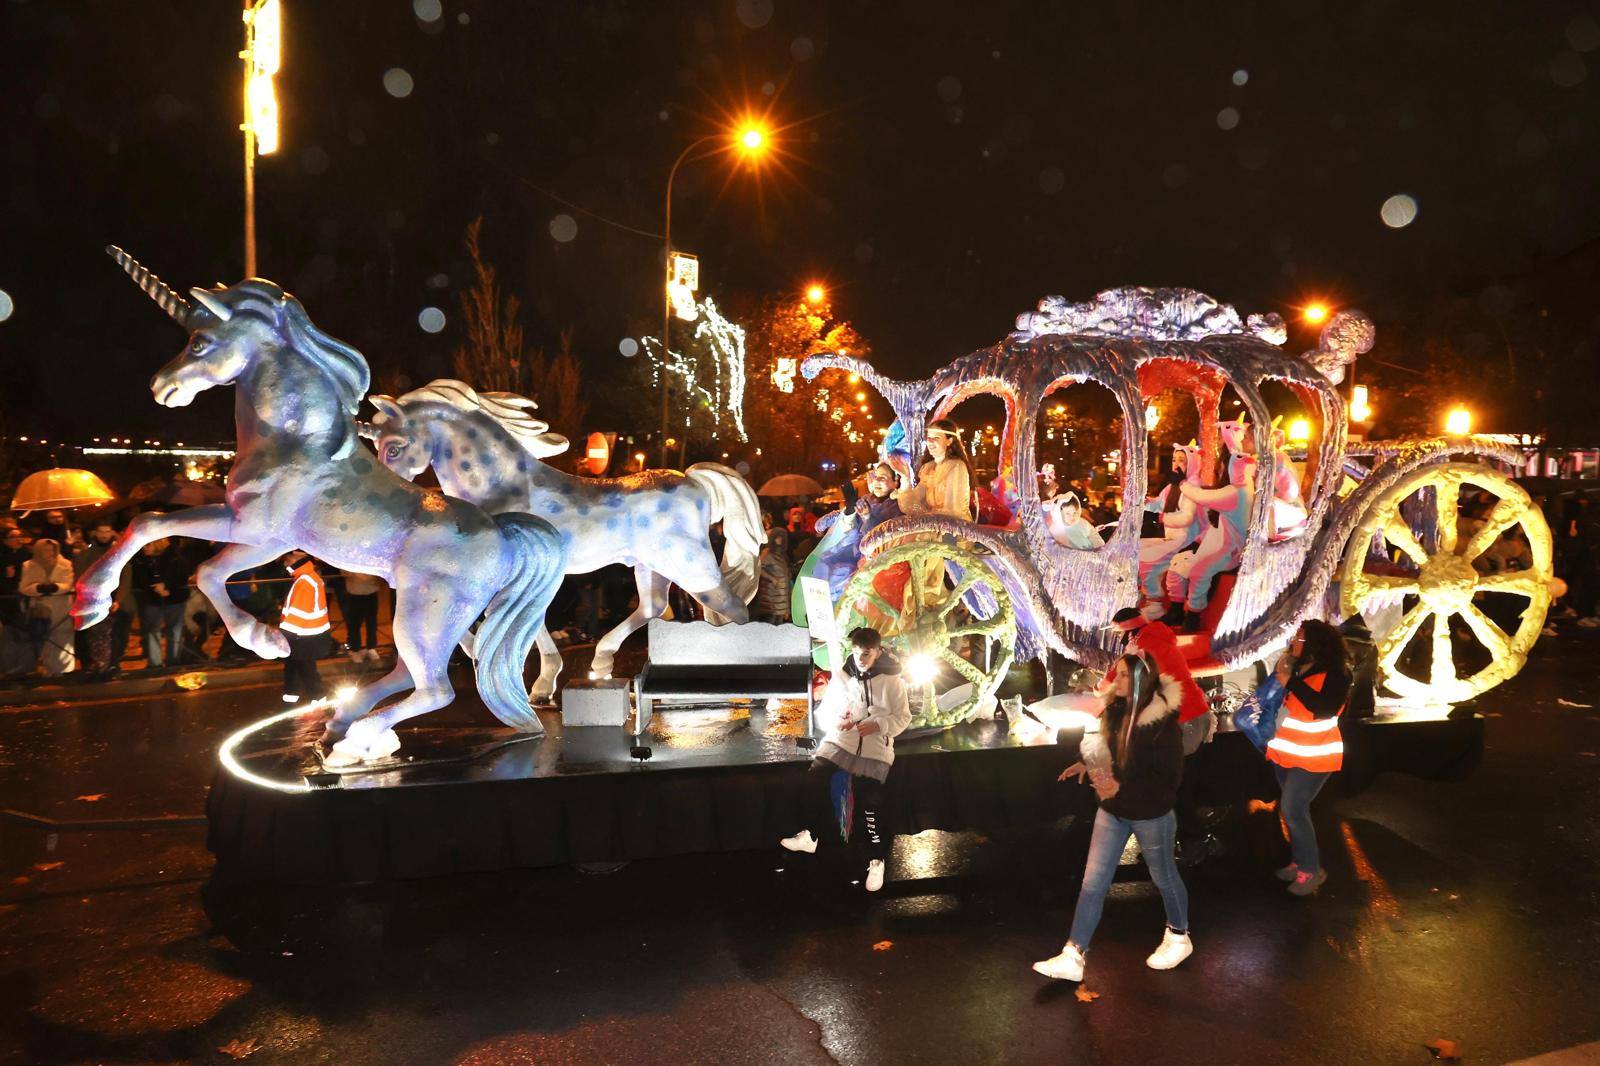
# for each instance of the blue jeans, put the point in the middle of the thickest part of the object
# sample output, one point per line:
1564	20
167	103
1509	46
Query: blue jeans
1156	837
1299	788
158	620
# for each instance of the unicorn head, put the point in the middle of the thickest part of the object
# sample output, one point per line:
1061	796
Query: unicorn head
232	326
407	431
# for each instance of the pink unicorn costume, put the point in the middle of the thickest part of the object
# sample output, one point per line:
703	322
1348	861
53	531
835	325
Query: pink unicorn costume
1190	575
1288	507
1181	525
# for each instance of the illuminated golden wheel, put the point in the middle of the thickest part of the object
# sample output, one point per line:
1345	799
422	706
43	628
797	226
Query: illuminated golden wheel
1450	580
941	645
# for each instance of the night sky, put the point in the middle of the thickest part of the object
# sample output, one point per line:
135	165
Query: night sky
943	166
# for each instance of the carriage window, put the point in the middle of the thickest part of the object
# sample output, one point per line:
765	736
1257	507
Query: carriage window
1077	453
981	421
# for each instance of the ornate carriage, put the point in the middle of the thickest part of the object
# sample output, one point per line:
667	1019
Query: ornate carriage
1382	532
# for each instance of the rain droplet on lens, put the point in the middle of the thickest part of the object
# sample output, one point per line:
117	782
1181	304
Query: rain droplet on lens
1533	143
1051	180
802	49
1175	176
1398	211
431	319
397	82
1227	118
563	228
949	88
314	160
755	13
427	10
1241	76
1568	69
628	347
1583	33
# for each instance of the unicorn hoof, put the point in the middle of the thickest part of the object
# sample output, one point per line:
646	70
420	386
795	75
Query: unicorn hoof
599	675
365	741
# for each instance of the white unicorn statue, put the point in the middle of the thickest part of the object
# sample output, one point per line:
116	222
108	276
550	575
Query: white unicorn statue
488	449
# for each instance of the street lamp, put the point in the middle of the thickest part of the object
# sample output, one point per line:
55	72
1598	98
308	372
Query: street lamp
263	56
750	141
1458	423
815	294
1314	313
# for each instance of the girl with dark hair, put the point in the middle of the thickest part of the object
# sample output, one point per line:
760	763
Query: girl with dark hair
1134	763
1307	749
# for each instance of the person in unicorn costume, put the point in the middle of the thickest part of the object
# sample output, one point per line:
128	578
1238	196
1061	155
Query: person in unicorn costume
1190	575
1182	523
1288	506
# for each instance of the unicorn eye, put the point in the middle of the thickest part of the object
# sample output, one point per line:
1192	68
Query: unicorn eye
200	344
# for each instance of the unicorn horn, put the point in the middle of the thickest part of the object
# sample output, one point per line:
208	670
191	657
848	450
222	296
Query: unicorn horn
153	287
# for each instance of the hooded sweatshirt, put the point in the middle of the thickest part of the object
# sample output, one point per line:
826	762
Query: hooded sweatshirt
877	695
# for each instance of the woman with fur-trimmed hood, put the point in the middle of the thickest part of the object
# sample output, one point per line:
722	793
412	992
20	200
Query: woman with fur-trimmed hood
1134	763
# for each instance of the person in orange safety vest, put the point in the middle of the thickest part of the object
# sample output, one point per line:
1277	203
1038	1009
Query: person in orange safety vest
1307	748
305	624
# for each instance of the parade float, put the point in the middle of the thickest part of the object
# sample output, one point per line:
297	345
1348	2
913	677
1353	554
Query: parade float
332	793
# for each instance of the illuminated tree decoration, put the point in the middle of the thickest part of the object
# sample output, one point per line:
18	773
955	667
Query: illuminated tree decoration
783	374
1447	581
712	376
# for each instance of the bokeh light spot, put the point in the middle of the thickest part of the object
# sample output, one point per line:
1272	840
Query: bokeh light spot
1568	69
802	49
1583	33
1241	76
427	10
1227	118
949	88
397	82
7	306
1398	211
563	228
628	347
431	319
1175	176
1051	180
755	13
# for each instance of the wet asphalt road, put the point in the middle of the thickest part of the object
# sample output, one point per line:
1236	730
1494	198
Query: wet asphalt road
1466	911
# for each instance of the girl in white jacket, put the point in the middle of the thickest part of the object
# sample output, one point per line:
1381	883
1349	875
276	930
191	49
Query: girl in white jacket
866	708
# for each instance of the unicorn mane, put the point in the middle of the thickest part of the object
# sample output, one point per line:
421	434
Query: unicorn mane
343	364
506	409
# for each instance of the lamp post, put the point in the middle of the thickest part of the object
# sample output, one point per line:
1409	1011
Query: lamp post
262	55
749	140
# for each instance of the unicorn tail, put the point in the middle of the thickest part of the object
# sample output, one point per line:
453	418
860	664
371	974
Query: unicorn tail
734	504
515	615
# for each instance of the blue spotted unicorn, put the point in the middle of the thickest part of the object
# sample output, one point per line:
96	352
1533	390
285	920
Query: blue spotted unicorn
301	479
487	448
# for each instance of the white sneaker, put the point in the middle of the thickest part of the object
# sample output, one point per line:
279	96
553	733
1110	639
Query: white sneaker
874	875
801	841
1175	947
1067	966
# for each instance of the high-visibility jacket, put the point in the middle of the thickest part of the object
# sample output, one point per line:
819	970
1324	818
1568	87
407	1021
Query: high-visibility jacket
305	612
1305	741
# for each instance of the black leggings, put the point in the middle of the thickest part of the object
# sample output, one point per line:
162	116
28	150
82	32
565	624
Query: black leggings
300	675
869	833
359	612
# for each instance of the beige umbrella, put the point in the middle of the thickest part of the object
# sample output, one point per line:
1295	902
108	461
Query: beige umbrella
791	485
60	488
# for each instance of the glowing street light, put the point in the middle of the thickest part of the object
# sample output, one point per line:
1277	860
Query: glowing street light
1299	431
263	58
751	141
1360	407
1152	418
1458	423
1314	313
815	294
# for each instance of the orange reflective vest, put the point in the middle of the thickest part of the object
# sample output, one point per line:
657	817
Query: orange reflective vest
1304	741
305	612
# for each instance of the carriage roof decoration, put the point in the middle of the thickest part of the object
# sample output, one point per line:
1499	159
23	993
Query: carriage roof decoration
1138	341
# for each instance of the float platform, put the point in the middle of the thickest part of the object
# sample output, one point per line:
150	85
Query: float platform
471	795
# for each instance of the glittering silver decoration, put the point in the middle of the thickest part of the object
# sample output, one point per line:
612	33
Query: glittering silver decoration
1346	335
1064	596
1145	313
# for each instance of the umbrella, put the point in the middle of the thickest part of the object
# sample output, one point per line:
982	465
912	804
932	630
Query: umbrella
184	493
791	485
60	488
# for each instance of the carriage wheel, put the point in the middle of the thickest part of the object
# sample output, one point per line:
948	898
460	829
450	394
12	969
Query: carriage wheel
928	623
1446	582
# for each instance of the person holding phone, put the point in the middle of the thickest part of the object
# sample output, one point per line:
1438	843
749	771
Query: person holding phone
1134	764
